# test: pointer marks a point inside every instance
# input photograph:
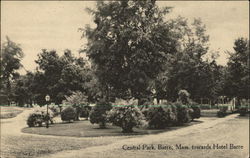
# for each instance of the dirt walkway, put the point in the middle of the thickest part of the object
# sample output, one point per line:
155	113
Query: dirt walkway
15	144
229	130
14	125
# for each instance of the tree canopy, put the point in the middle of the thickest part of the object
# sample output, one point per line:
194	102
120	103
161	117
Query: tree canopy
237	82
129	45
11	55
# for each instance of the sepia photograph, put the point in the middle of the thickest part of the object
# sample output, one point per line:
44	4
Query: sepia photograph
124	79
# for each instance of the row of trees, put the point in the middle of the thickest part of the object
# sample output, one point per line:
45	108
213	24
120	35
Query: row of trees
58	76
140	54
132	52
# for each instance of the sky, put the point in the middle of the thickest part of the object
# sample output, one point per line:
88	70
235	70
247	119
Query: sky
36	25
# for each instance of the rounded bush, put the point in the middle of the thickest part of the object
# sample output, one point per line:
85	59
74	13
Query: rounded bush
183	96
85	112
243	111
39	116
35	120
68	114
196	112
159	117
126	117
183	114
55	109
98	114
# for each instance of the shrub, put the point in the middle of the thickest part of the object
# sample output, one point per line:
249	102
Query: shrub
183	96
39	116
183	113
85	111
222	112
35	120
243	111
196	113
146	104
68	114
99	112
78	100
126	117
159	117
55	109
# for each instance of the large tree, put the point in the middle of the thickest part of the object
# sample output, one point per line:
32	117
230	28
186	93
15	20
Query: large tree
186	68
11	55
59	76
129	46
23	93
237	82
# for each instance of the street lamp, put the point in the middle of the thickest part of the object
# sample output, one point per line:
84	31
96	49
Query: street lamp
47	98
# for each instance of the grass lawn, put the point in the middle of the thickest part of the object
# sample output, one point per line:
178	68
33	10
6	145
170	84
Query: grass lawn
212	113
86	129
9	111
209	113
35	146
235	131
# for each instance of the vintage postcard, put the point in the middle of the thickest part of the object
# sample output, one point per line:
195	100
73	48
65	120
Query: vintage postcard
127	79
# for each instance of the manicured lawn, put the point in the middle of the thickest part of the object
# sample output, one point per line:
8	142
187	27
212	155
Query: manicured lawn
9	111
86	129
209	113
35	146
212	113
235	131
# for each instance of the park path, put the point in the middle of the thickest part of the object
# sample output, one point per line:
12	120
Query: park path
13	126
218	131
222	130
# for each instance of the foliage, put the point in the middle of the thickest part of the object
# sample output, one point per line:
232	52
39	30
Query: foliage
85	111
237	75
183	113
23	89
35	120
222	111
160	117
99	113
55	109
126	117
129	46
59	75
10	56
78	100
187	68
68	114
196	112
122	102
243	111
43	111
39	116
183	96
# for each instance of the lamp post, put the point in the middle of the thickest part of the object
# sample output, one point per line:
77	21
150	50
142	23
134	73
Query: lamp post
47	98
